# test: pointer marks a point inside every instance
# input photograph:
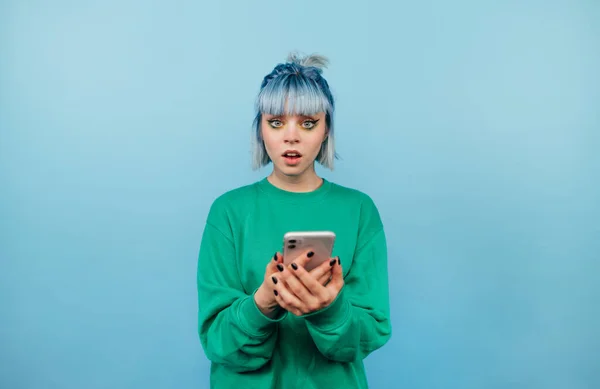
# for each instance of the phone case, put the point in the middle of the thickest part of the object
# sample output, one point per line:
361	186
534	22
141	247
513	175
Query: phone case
297	243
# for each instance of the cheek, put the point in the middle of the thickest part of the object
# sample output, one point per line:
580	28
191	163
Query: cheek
317	141
270	141
267	138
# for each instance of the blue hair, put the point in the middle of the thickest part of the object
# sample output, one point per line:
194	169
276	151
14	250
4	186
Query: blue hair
296	87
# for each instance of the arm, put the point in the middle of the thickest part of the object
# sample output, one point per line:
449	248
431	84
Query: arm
233	331
357	322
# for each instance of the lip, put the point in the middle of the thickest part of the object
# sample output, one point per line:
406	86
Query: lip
290	152
292	161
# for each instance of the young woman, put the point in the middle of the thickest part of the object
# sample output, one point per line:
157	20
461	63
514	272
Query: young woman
265	325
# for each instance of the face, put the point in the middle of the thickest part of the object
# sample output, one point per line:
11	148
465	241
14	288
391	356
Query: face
293	141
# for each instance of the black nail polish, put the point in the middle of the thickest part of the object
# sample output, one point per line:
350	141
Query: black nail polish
310	254
294	266
279	267
332	262
275	292
339	261
274	280
275	257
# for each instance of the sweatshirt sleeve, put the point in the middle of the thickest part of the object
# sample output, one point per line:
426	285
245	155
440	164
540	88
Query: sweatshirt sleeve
357	322
233	331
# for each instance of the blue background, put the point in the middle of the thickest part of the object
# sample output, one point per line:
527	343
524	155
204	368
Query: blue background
474	125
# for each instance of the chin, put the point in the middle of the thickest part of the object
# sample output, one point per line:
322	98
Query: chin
292	171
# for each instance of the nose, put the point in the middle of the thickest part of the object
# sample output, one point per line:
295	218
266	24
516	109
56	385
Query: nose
291	134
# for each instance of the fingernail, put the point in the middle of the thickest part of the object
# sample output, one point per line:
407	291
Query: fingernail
310	254
294	266
274	280
332	262
339	261
276	294
279	267
275	257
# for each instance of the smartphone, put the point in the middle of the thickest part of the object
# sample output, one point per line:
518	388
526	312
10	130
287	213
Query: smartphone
297	243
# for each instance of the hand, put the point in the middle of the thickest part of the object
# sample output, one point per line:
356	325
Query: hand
302	292
265	295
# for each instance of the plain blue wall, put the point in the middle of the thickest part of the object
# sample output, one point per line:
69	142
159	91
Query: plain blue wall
474	126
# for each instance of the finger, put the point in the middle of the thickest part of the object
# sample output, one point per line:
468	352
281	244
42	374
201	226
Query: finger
304	258
337	278
281	303
276	259
324	279
277	275
300	260
286	298
323	268
311	284
287	307
271	275
297	286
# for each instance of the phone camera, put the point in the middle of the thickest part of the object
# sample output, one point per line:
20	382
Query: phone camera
292	246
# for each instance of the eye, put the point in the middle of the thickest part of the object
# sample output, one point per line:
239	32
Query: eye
275	123
309	124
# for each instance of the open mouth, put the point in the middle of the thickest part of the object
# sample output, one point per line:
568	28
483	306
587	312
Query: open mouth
292	157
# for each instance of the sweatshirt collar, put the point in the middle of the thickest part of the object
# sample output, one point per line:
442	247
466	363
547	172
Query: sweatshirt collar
279	194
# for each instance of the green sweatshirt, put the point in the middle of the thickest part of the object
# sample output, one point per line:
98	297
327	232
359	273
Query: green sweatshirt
324	349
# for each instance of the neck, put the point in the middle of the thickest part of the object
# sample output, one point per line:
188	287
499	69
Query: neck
305	182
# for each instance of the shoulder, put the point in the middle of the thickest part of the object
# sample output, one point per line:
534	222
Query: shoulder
233	196
353	197
228	202
369	218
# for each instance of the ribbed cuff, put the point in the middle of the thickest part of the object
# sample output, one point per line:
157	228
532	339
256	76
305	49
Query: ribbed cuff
332	316
253	320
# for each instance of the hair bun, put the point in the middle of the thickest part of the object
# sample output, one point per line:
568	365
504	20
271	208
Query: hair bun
313	60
